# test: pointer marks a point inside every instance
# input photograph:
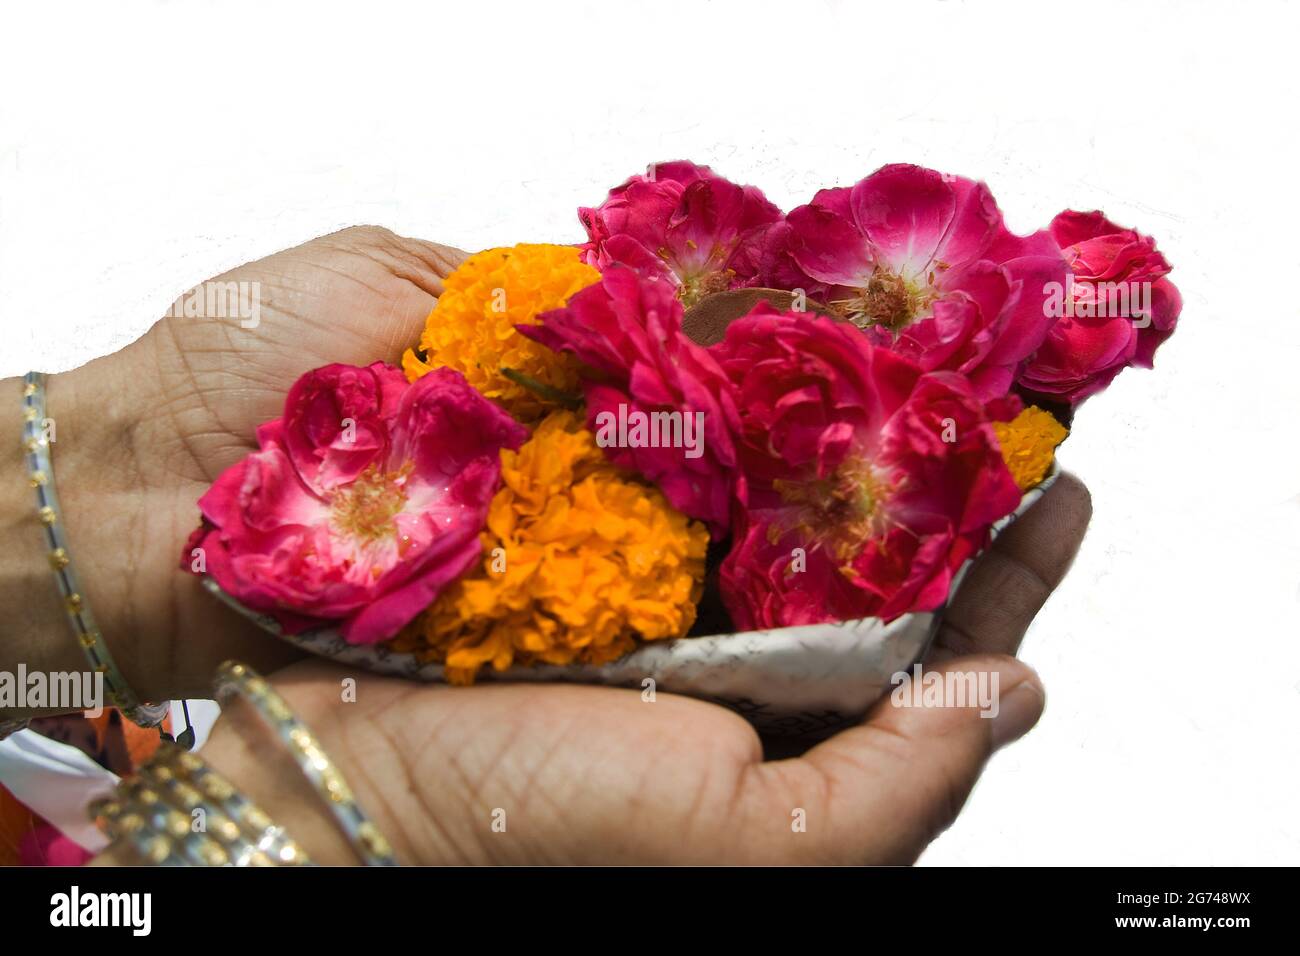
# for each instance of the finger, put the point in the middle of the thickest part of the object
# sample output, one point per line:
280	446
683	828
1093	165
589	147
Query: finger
422	263
1008	585
386	331
882	791
430	263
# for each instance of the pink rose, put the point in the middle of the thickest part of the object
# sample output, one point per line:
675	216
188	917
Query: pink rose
870	482
1118	307
638	364
681	222
361	503
922	262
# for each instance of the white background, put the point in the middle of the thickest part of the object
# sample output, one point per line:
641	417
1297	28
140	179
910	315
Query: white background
147	146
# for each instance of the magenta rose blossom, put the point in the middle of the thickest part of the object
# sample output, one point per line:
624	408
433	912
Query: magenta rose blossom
1115	311
360	504
922	262
684	223
640	367
870	482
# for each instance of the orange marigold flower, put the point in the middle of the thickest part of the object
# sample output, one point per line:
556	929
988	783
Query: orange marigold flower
472	327
1029	444
581	562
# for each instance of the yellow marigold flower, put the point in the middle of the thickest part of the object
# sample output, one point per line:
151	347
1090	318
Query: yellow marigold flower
581	562
472	327
1029	444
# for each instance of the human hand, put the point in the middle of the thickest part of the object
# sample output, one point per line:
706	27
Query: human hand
143	432
583	774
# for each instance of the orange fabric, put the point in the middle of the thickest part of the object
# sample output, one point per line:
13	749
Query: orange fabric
109	739
141	742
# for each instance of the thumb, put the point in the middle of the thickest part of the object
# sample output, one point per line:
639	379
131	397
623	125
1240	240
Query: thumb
882	791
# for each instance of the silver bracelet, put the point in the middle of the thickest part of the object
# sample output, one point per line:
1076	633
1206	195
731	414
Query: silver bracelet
40	467
234	679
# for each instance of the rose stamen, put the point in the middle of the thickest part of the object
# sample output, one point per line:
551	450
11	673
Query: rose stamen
697	287
888	300
367	509
840	512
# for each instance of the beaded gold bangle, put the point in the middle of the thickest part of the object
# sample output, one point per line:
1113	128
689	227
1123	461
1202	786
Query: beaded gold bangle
157	815
36	443
143	816
250	836
233	679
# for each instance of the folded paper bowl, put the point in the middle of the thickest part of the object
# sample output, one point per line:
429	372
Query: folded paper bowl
807	681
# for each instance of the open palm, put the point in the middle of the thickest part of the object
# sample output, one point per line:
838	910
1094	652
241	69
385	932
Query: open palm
572	774
184	403
549	773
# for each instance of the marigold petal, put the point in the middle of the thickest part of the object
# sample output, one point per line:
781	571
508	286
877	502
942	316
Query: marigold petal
596	560
1029	444
472	327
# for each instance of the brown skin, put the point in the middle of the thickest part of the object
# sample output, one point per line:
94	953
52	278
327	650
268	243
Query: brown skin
143	432
597	775
583	774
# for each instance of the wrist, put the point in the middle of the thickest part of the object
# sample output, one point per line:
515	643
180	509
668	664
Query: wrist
105	511
129	502
34	632
245	751
242	749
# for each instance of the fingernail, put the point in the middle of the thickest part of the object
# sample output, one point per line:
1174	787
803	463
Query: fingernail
1018	711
